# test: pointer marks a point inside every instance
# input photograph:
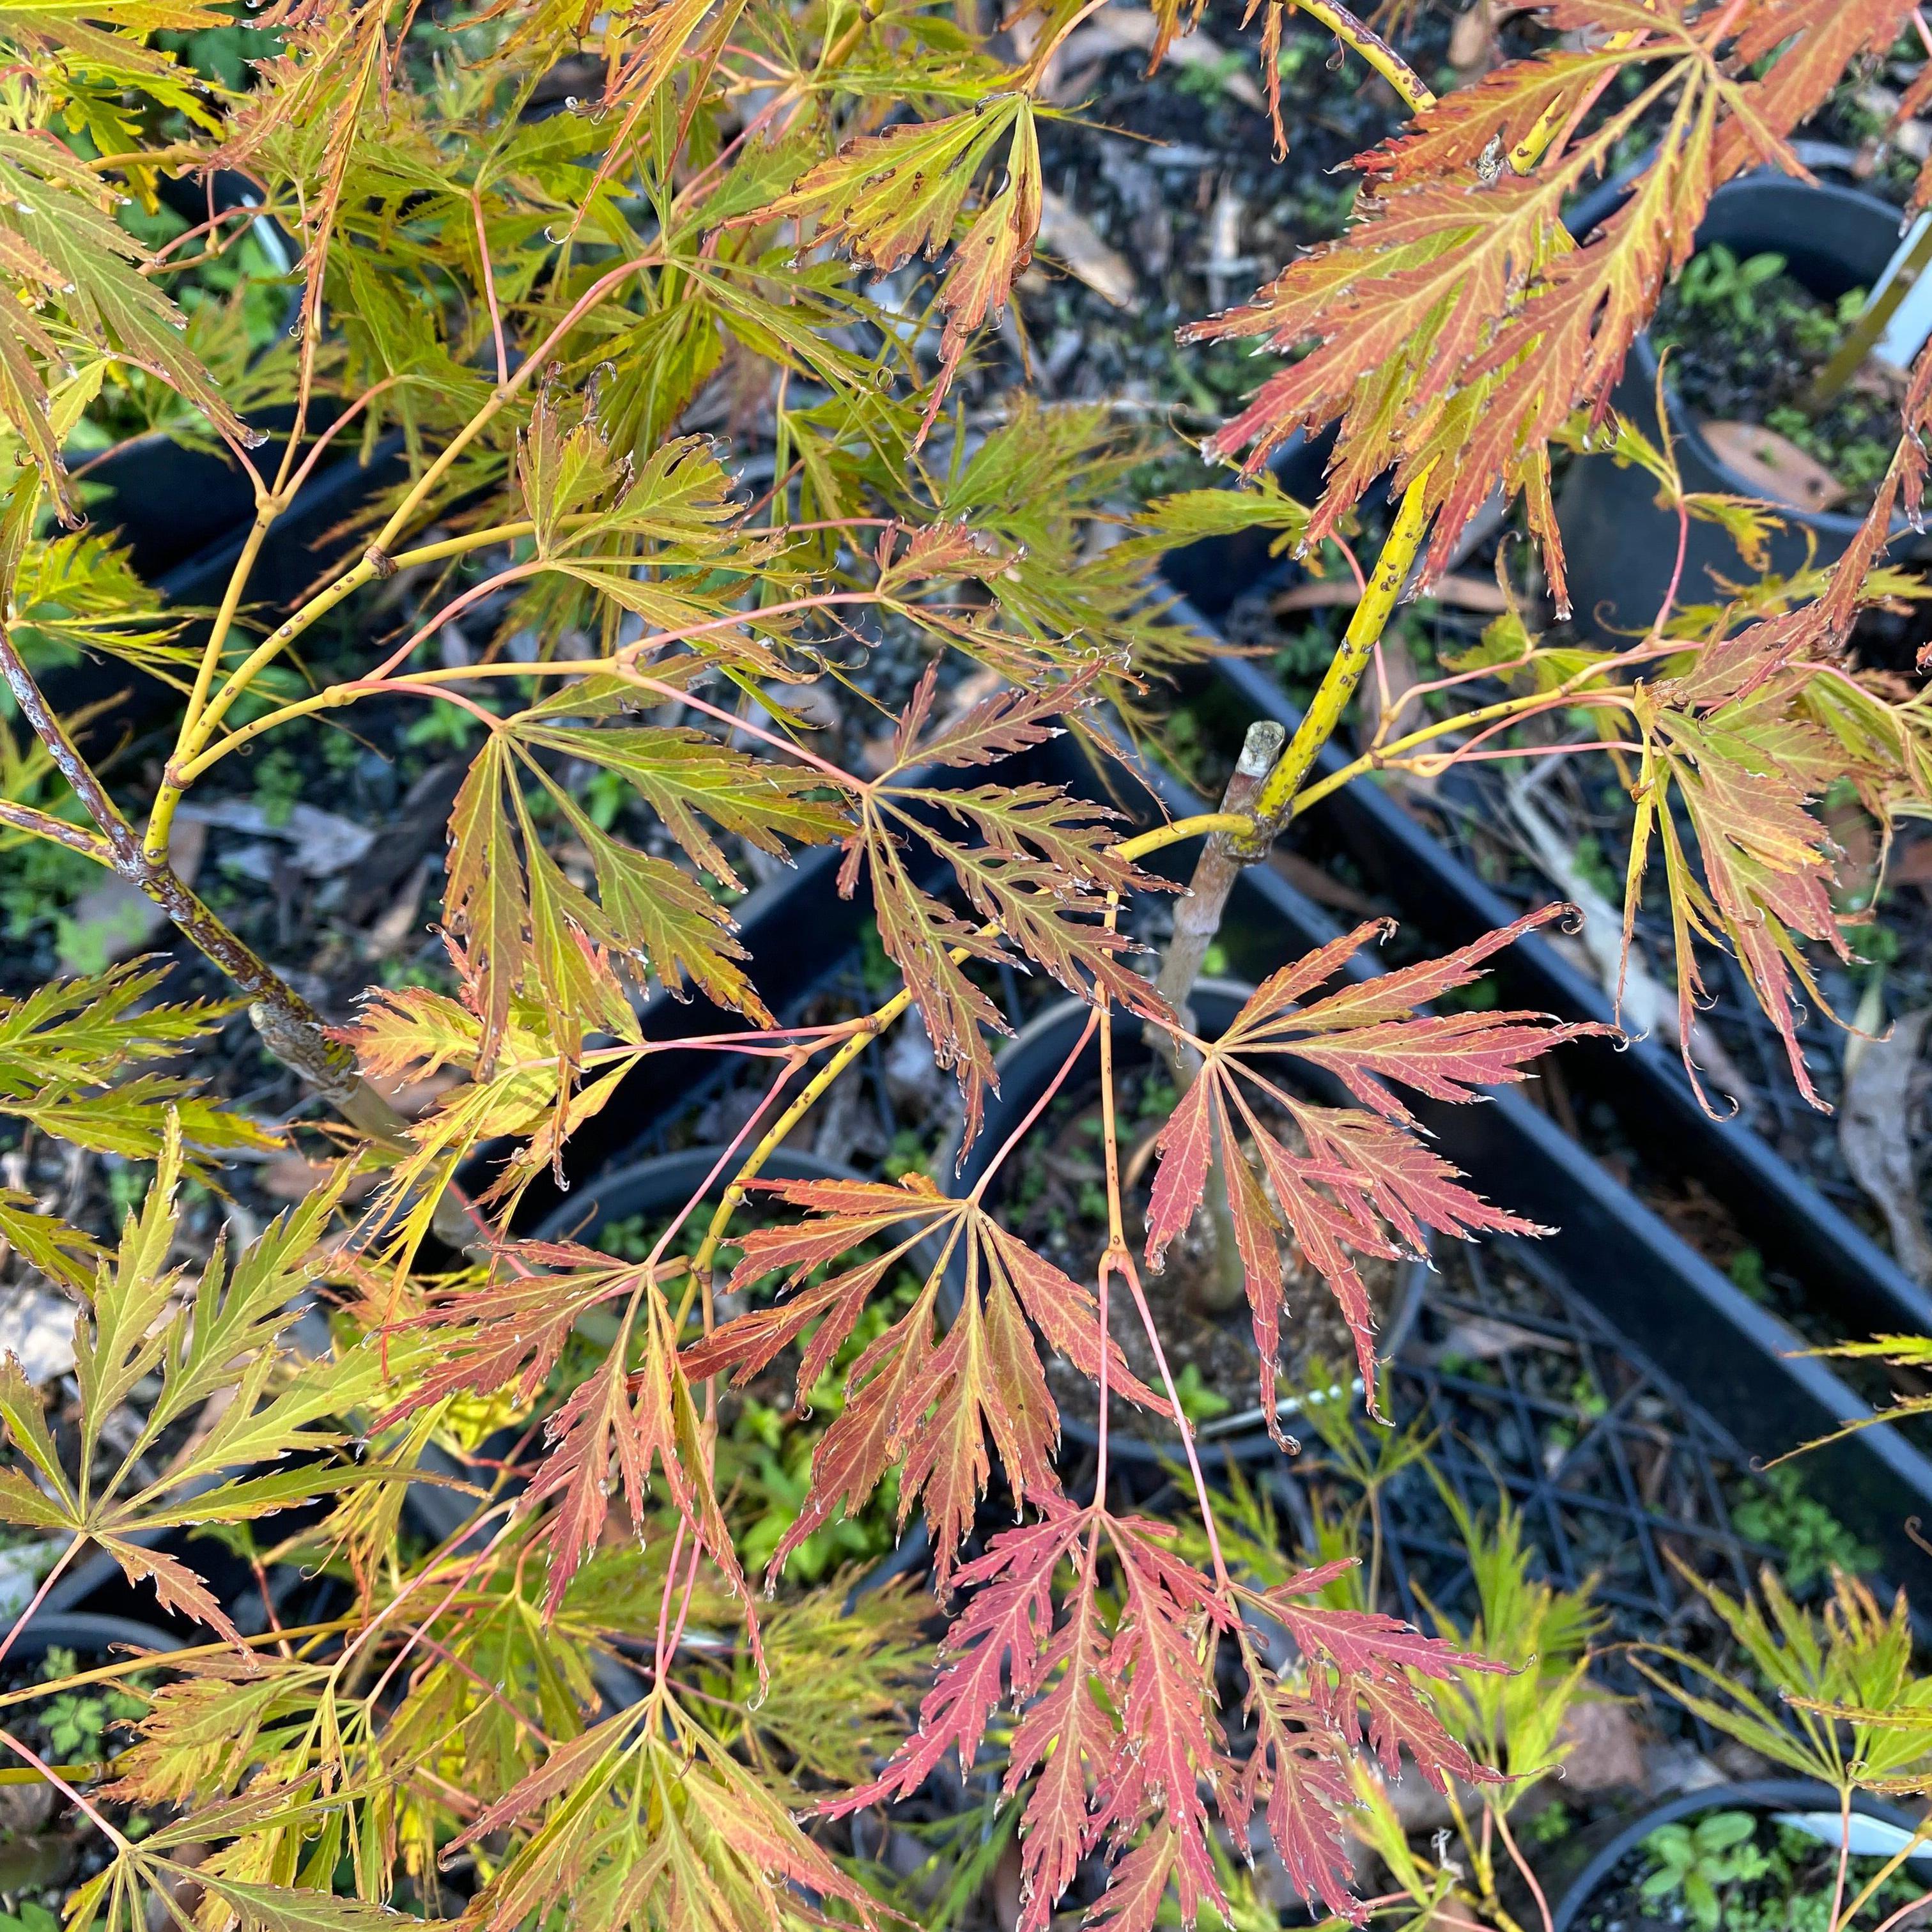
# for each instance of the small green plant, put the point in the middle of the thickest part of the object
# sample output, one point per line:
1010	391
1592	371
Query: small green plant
1810	1542
1716	283
77	1723
1833	1694
1209	80
1695	1862
1198	1402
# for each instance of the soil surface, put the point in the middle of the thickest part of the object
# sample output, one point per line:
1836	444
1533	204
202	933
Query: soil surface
1745	341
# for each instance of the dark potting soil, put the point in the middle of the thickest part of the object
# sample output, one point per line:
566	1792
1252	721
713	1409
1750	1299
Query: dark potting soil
1745	340
1059	1207
1736	1871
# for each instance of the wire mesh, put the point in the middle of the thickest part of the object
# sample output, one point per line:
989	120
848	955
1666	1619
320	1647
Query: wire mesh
1622	1483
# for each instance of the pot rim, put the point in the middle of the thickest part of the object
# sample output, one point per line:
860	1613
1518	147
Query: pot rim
89	1630
1597	208
1770	1795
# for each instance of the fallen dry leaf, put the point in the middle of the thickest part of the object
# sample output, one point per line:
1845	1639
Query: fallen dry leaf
1879	1080
324	842
1066	233
1486	1338
1773	466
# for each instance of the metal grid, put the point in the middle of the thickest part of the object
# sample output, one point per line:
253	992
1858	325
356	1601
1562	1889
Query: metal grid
1618	1476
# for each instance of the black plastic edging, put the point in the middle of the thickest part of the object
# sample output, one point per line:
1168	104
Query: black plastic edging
288	564
1847	1275
1738	1362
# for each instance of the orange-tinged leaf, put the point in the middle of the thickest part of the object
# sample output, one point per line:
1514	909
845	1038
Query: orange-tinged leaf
1814	41
177	1588
884	198
1732	746
997	249
937	1403
1341	1182
1457	327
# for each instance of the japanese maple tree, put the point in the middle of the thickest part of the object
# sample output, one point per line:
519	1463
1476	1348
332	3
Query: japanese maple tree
538	316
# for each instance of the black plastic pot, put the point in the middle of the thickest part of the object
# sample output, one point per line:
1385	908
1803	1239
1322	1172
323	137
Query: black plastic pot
1027	1067
653	1187
87	1634
1796	1799
1620	546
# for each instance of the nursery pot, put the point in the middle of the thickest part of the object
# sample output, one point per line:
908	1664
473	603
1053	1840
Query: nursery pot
87	1635
656	1186
1876	1828
1620	545
1026	1069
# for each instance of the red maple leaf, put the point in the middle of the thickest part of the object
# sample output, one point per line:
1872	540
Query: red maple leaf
1359	1182
936	1398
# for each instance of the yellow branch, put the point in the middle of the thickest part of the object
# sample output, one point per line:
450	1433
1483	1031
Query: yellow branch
1373	49
1345	669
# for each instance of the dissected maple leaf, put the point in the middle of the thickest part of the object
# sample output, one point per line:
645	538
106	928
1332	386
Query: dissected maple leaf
1814	42
61	246
647	1820
1341	1182
528	931
883	198
632	1415
142	1327
1354	1681
64	1047
1040	872
1117	1730
929	1392
1162	1683
1731	745
1000	1646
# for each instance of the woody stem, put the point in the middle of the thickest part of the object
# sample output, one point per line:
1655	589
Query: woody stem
289	1028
